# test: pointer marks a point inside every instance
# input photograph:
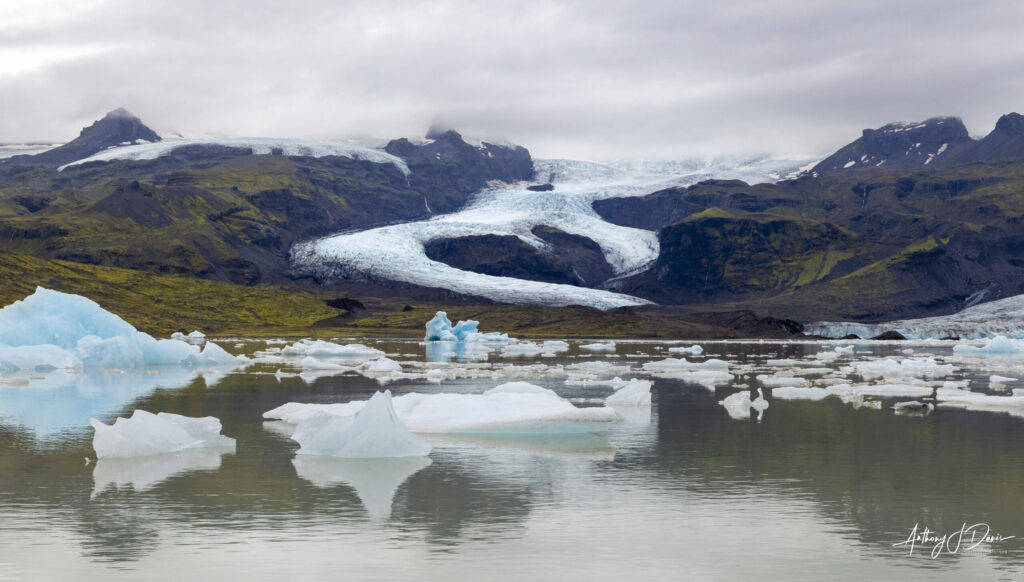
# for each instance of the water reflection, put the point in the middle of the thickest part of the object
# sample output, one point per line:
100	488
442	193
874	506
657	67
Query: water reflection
142	473
374	480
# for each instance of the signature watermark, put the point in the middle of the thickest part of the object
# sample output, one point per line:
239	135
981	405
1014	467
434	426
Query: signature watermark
965	539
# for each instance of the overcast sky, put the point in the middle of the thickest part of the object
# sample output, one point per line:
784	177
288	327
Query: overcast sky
589	79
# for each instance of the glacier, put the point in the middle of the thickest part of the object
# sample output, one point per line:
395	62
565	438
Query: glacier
396	252
256	145
982	321
145	434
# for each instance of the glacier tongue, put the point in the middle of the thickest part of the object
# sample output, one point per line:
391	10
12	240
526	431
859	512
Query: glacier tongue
396	252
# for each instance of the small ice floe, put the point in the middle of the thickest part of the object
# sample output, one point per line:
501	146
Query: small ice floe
145	434
996	382
599	347
635	393
440	329
739	405
693	350
999	346
780	380
325	349
381	366
907	368
913	407
372	432
850	393
800	393
375	481
531	349
834	354
1013	405
511	408
709	373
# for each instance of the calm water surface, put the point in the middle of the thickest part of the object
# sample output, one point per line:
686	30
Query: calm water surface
814	490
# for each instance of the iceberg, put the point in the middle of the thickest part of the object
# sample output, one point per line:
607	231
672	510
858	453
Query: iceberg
49	330
439	329
693	350
799	393
599	347
635	393
146	434
999	346
739	405
511	408
373	432
906	368
325	349
953	398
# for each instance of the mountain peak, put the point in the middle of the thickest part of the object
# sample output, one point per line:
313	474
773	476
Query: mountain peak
116	128
900	144
1011	122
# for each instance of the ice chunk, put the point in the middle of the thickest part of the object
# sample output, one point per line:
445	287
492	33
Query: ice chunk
63	331
635	393
694	349
382	366
145	433
739	405
512	408
1013	405
599	347
779	380
440	329
912	368
997	346
996	382
374	432
325	349
799	393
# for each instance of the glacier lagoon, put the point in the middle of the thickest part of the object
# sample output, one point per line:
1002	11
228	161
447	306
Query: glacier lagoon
828	483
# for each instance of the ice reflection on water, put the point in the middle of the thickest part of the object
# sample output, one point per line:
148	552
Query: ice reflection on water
816	490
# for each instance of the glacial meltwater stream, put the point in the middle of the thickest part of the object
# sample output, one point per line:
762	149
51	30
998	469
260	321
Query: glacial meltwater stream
836	488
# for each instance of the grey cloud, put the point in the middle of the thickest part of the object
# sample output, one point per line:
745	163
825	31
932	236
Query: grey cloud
572	79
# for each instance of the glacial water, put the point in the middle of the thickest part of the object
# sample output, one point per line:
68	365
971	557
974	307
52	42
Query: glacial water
815	490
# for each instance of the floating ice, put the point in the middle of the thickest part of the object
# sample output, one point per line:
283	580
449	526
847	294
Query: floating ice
381	366
709	373
49	330
996	382
799	393
913	407
635	393
777	380
145	434
529	349
1013	405
998	346
325	349
440	329
694	349
738	405
850	392
373	432
510	408
892	369
599	347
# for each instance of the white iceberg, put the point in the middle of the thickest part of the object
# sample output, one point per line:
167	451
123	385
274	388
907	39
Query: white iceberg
599	347
800	393
739	405
325	349
953	398
906	368
49	330
145	434
512	408
694	350
1000	346
635	393
373	432
440	329
381	366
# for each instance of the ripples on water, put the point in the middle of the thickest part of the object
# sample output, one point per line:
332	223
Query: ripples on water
816	490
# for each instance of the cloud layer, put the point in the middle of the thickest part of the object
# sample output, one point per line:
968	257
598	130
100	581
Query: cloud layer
595	79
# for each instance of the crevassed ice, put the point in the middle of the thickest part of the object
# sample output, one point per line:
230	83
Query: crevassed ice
396	253
985	320
258	146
